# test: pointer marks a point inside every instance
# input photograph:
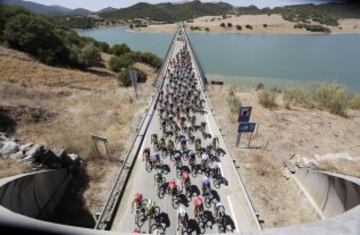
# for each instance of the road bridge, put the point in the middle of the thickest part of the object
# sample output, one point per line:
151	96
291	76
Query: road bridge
232	195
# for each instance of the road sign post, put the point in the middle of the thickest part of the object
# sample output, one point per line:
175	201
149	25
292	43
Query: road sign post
134	80
245	127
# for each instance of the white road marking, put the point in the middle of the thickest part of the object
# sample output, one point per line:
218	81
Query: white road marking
232	212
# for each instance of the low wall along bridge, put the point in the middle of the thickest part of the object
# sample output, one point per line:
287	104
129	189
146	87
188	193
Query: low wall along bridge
180	110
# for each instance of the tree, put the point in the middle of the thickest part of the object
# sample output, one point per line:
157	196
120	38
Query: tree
229	25
120	49
36	36
117	63
90	55
238	27
222	24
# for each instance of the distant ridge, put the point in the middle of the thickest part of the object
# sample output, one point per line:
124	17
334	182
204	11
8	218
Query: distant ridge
44	9
170	12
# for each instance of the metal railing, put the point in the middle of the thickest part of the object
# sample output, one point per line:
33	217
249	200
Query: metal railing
149	112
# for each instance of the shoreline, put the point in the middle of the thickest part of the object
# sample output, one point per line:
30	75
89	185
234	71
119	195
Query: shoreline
274	24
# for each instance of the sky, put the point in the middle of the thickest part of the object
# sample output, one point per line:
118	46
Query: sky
95	5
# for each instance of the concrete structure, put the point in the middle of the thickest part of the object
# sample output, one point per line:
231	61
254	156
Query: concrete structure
10	196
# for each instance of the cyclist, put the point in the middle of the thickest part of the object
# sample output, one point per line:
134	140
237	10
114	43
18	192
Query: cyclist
185	180
219	210
205	185
170	146
150	208
197	144
154	139
192	159
215	142
198	206
146	154
183	143
158	177
162	143
172	187
178	162
182	217
204	161
156	159
215	169
137	201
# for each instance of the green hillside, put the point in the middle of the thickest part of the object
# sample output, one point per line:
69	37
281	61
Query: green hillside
170	12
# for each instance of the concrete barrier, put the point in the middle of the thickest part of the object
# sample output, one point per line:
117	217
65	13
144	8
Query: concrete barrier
330	194
36	194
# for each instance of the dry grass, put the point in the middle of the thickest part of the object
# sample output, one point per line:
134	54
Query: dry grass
325	96
9	167
267	98
84	104
303	131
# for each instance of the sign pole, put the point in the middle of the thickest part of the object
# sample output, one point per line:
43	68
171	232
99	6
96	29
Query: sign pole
238	140
250	140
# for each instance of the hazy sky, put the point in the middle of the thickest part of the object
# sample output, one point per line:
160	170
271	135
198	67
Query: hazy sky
100	4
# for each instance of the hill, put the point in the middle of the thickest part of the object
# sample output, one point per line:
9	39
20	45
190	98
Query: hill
44	9
107	9
170	12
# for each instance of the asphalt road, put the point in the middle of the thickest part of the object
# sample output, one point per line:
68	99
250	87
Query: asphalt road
237	206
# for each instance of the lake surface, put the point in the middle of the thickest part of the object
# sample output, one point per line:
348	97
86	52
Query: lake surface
276	60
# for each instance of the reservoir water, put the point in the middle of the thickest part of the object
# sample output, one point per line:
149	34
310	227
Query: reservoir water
276	60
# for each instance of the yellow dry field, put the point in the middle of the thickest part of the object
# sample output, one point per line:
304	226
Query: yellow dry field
284	133
61	107
274	24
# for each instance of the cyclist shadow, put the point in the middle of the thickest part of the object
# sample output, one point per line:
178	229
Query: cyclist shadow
193	226
165	168
164	220
209	219
229	222
215	195
183	199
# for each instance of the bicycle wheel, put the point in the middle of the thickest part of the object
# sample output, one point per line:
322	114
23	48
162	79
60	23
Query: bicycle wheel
175	202
207	201
217	182
161	193
148	167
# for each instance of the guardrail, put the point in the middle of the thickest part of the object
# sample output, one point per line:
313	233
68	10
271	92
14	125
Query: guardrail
149	112
198	64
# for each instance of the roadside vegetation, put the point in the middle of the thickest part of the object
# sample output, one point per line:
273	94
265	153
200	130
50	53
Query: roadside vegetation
267	98
319	95
49	42
325	96
233	101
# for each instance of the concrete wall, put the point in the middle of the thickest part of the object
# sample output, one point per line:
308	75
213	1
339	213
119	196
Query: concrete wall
36	194
330	194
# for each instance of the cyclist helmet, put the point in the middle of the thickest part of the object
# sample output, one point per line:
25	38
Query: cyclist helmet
177	156
185	175
138	197
205	180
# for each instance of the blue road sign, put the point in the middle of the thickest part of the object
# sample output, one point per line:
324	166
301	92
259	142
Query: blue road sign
248	127
244	114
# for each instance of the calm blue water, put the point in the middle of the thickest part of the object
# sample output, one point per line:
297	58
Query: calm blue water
279	60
